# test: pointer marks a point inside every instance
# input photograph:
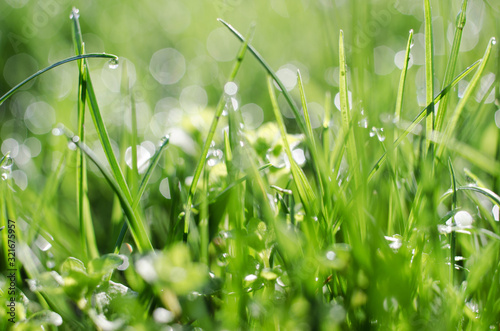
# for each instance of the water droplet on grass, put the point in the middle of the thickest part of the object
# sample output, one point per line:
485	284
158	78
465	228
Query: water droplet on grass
8	163
493	41
113	63
75	13
231	88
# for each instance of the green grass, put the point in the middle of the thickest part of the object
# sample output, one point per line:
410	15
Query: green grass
308	221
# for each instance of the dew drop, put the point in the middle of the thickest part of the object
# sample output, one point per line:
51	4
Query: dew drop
493	41
7	163
75	139
363	123
57	132
5	176
75	13
113	63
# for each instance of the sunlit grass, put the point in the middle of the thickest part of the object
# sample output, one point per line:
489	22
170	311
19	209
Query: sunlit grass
288	226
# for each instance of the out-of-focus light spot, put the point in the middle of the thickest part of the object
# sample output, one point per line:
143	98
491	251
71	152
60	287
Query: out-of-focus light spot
10	145
497	118
496	213
399	59
299	156
288	76
330	255
231	88
165	188
40	117
34	145
316	114
193	99
486	81
18	67
16	3
20	178
161	315
167	66
336	100
253	115
220	46
383	62
143	157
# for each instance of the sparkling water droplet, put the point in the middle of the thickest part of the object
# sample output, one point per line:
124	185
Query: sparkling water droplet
57	132
380	134
75	13
363	123
8	162
493	41
72	146
373	131
75	139
5	176
113	63
230	88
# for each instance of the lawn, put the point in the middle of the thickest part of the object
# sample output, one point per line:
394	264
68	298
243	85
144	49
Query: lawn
249	165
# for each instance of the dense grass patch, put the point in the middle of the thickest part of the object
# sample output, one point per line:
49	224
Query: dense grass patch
210	193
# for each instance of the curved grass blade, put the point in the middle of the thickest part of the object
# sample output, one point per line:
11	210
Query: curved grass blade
452	63
136	227
267	67
52	66
484	191
142	188
303	187
453	234
422	114
450	129
211	133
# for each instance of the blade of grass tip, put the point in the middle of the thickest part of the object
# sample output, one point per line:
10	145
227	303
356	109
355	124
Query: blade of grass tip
99	123
452	63
267	67
453	235
52	66
305	191
136	227
211	133
429	76
317	163
142	188
345	112
450	129
495	198
402	80
422	114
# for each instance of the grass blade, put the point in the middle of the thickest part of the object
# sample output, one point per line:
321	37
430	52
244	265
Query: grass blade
453	235
422	114
450	129
84	215
142	188
345	111
452	63
52	66
136	227
429	75
267	67
402	80
211	133
305	191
